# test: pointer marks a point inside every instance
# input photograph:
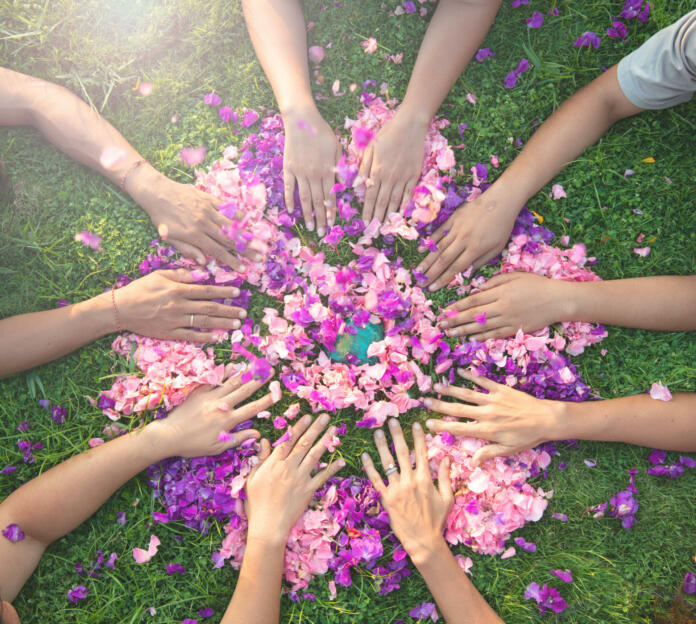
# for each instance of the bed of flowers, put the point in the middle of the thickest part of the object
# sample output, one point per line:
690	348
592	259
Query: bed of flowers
319	308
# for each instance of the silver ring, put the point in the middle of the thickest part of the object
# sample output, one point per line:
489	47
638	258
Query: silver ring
391	469
191	321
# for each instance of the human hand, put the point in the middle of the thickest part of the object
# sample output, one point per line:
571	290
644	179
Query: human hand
188	219
417	510
281	485
167	304
393	162
473	235
309	160
510	301
200	425
512	420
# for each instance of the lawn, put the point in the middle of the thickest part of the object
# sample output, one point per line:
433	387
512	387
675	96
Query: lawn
100	49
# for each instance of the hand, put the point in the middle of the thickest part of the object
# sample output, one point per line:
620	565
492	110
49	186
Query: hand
417	510
510	301
473	235
281	485
188	219
393	162
200	425
309	159
512	420
166	304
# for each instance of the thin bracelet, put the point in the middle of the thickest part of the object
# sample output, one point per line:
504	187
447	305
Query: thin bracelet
117	320
130	170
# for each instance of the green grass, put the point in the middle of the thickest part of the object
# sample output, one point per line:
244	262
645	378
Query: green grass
100	48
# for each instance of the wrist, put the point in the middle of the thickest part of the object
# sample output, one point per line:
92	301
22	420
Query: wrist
140	181
97	315
295	111
413	115
428	552
265	539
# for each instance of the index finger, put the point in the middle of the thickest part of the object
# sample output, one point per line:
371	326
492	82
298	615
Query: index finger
420	450
208	291
458	410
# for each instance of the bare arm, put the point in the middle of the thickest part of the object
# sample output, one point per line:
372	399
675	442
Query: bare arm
164	304
477	231
513	421
185	216
513	301
417	514
277	31
394	161
59	500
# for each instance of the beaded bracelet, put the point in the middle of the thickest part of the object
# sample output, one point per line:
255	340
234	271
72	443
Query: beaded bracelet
117	320
130	170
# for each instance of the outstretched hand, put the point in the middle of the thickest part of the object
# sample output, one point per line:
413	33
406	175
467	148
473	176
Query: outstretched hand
474	234
200	425
392	162
309	161
417	509
512	420
508	302
168	305
281	485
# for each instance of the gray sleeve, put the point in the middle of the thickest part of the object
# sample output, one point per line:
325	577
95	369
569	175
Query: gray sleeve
662	72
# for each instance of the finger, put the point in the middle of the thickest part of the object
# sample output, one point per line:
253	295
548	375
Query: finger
213	248
473	301
403	455
261	456
251	251
240	436
331	216
248	411
364	173
304	444
447	270
372	474
408	192
235	391
489	452
306	202
189	335
370	198
289	189
420	450
329	201
206	291
283	450
483	382
442	247
319	208
396	199
385	455
231	382
382	201
213	309
444	484
458	410
188	251
498	280
183	276
443	230
311	459
463	394
324	475
469	430
465	323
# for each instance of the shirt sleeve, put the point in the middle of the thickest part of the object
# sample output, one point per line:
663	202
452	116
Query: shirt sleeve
662	72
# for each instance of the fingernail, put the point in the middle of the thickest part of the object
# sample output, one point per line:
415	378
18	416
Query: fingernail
364	457
429	424
310	227
243	314
444	324
428	402
341	462
420	250
324	419
235	292
307	419
392	423
432	288
236	324
379	434
320	231
437	387
258	257
417	426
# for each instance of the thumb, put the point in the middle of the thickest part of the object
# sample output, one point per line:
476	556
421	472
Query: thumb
241	436
264	452
489	452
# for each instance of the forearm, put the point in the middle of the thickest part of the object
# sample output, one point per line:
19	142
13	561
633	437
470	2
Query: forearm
639	419
277	32
28	340
258	588
457	598
65	120
580	122
664	302
461	26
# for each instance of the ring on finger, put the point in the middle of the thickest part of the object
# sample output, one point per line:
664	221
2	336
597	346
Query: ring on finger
191	320
391	469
